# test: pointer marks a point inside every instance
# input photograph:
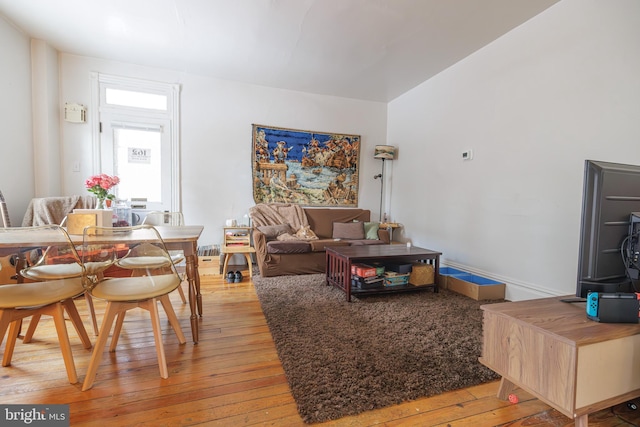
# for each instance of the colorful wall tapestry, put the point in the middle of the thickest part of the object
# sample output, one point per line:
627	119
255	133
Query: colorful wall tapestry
303	167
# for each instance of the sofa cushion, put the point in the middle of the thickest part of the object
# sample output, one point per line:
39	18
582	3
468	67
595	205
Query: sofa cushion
288	247
371	230
321	245
271	232
361	242
348	230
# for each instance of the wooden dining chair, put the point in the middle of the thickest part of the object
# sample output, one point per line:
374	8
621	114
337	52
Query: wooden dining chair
153	277
51	264
46	297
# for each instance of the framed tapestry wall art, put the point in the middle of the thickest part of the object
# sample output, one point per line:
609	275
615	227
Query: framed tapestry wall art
304	167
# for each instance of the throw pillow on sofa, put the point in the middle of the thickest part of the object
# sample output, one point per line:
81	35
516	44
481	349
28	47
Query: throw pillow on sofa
271	232
348	230
371	230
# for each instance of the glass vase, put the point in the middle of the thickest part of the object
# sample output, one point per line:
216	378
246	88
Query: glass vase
100	204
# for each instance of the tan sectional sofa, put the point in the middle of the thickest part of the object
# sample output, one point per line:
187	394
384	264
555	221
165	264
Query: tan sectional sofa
278	253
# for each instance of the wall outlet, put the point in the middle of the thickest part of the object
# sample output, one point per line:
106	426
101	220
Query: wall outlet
467	155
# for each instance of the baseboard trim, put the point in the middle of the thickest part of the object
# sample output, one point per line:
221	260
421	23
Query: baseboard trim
516	290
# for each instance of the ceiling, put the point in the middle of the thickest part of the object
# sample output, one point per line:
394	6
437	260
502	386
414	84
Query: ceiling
365	49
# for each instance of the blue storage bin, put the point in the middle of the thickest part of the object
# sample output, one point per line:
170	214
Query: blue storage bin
445	272
471	285
479	280
448	271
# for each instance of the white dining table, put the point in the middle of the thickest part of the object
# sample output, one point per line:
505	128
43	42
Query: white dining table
184	238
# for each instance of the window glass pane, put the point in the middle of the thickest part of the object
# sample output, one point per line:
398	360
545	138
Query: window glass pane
138	164
129	98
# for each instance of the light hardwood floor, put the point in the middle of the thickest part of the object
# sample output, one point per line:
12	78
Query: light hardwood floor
231	378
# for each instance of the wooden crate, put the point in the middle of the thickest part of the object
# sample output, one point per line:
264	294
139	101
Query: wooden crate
444	274
476	287
209	265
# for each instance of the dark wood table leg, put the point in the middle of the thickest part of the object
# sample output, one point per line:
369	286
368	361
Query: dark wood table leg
347	278
327	267
193	279
338	272
196	275
436	274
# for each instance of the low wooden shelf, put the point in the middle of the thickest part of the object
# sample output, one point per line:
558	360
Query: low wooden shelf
550	349
237	240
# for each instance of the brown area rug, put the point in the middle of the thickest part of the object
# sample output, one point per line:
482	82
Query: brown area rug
345	358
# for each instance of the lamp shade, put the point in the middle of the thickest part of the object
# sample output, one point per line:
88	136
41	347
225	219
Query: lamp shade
386	152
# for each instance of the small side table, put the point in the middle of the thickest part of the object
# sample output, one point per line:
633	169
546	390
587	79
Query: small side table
390	226
246	251
237	240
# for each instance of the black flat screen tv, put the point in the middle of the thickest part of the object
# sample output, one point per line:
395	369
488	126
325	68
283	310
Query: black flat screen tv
611	193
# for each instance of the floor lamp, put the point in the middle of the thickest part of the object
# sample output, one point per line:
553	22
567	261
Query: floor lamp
383	152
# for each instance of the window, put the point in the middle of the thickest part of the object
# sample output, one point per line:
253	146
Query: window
137	140
129	98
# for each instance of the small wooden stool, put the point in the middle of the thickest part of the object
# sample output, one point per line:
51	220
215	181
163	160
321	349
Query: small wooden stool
231	250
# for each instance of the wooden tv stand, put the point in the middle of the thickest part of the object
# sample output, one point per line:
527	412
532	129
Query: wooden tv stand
550	349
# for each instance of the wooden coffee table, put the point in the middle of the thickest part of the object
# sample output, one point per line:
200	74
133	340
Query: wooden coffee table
340	259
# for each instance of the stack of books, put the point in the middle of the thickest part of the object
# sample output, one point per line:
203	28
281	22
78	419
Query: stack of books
392	278
366	277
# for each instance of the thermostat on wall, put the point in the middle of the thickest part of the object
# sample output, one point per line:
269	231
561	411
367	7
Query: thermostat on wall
75	113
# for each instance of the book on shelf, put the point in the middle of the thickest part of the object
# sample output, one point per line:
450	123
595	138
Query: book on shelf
367	282
369	279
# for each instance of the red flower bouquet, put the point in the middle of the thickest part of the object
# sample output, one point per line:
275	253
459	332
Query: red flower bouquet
100	186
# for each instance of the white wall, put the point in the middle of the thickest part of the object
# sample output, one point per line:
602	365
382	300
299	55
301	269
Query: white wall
216	135
533	105
16	158
46	116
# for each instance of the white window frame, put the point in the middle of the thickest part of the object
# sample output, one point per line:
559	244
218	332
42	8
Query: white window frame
170	90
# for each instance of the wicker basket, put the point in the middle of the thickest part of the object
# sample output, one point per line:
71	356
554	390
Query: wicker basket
422	274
